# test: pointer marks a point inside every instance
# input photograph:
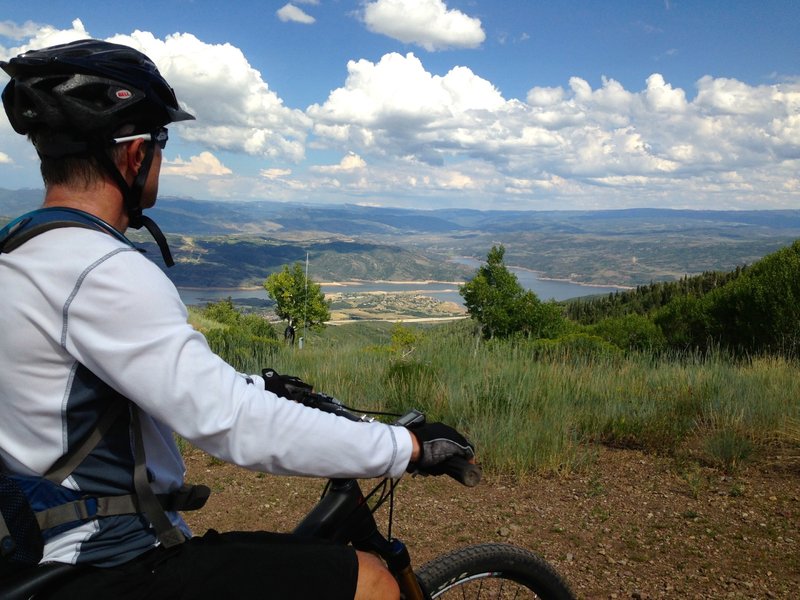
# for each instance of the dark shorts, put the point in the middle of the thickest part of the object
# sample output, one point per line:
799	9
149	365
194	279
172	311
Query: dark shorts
228	566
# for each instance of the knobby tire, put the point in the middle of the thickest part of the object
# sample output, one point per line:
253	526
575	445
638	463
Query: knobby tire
492	571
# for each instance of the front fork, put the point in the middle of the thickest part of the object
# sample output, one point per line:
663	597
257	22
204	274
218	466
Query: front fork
395	554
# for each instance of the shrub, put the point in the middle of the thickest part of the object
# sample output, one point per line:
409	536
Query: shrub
631	332
223	312
404	339
496	300
728	448
248	342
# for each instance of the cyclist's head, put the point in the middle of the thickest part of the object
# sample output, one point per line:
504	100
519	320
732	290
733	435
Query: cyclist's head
75	101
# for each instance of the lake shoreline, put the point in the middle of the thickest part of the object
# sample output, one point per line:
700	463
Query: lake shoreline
546	288
351	282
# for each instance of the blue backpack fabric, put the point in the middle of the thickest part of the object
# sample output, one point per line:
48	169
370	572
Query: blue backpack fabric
21	544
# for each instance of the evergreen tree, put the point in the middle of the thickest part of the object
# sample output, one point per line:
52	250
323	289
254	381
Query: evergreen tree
495	298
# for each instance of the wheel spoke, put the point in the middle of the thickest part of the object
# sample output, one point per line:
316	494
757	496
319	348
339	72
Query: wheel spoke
492	571
487	586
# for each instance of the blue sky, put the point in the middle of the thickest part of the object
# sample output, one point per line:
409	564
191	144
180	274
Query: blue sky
506	104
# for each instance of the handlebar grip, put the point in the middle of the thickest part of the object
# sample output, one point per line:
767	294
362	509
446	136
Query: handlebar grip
463	471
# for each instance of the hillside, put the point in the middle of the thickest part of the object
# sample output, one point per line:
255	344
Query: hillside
235	243
637	478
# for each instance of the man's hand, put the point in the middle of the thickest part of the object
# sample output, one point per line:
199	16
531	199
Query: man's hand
434	443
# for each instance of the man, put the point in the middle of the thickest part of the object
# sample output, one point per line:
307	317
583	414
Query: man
96	345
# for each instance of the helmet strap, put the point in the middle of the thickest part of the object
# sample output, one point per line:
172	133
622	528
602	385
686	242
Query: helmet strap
132	197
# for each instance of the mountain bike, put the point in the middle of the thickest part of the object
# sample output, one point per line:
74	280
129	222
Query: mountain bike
345	515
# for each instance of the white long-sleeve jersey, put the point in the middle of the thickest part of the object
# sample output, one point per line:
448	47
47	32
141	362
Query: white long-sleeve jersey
87	320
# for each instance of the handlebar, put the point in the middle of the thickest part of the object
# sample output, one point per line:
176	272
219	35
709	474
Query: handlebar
463	471
466	473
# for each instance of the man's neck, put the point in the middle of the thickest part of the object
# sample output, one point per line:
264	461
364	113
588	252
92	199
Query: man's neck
103	200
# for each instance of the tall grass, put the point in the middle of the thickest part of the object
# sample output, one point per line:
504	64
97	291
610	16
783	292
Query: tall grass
533	411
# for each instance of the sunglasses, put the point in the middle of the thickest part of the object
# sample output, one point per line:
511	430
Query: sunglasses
159	136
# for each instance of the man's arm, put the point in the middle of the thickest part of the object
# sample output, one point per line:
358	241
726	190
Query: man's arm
127	324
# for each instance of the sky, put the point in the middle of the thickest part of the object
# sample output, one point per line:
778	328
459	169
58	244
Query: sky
486	104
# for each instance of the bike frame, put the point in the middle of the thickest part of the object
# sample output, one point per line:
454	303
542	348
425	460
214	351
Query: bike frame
343	515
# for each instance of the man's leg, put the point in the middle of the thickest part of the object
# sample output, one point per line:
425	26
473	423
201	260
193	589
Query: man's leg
374	580
238	565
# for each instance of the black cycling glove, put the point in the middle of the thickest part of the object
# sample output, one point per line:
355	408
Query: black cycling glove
439	442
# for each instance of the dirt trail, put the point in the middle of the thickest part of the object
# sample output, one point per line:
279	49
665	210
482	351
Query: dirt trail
632	526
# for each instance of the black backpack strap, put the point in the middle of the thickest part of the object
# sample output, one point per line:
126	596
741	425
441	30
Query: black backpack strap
168	534
31	224
69	462
188	497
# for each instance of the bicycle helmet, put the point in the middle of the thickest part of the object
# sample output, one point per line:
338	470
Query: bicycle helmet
87	90
72	98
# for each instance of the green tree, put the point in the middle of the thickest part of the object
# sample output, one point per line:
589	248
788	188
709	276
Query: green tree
299	301
495	298
631	332
222	311
760	311
755	310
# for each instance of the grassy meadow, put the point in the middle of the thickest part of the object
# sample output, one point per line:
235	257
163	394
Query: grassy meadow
530	411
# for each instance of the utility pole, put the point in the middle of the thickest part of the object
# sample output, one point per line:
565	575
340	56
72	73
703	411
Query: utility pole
305	305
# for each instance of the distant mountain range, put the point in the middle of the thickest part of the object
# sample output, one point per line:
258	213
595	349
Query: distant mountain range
234	243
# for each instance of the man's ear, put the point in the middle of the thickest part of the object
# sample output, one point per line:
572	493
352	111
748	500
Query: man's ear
134	157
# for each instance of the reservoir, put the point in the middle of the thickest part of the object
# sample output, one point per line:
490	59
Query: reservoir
545	289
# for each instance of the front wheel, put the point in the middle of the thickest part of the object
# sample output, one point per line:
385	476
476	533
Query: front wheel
492	571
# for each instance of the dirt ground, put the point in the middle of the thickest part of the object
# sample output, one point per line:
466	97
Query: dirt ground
632	525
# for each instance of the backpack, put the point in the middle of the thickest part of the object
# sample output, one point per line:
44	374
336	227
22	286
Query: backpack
21	544
22	527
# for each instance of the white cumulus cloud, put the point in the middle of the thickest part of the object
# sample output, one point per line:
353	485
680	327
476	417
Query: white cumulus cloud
426	23
11	30
35	35
351	162
234	106
396	107
731	136
290	12
411	134
204	164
